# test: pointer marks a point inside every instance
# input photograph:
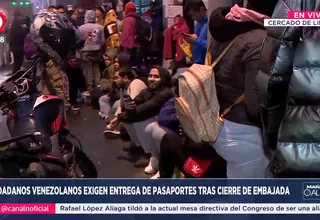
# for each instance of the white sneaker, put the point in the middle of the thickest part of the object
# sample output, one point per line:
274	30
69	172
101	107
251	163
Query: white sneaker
153	166
156	176
108	127
86	94
102	115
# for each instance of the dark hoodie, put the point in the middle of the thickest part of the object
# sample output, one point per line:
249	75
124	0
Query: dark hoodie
18	32
150	101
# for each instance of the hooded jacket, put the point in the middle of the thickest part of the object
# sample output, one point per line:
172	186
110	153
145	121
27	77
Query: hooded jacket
293	101
150	101
129	32
92	32
236	72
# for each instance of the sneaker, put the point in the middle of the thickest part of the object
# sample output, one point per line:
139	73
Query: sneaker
152	166
132	148
156	176
102	115
75	108
111	133
86	94
143	161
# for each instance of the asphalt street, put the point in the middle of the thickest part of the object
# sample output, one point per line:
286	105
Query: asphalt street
110	160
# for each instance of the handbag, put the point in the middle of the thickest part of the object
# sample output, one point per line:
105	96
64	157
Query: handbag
185	47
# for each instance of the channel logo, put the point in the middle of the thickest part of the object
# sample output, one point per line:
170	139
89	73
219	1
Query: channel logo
3	21
311	191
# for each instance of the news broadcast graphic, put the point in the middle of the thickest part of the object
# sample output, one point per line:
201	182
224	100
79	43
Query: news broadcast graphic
296	19
149	199
3	21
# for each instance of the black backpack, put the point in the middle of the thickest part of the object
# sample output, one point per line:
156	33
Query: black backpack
144	31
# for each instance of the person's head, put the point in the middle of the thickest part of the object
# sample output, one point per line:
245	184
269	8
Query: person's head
123	77
116	62
52	8
178	20
74	14
110	57
80	12
265	7
100	12
196	9
159	78
61	9
107	60
129	8
90	17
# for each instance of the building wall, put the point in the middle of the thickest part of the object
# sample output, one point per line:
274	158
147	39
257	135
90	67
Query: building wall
88	3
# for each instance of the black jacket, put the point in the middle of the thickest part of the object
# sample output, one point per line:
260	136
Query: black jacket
268	55
150	105
236	72
18	32
293	100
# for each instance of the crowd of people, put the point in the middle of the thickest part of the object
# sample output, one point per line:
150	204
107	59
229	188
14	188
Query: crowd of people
270	130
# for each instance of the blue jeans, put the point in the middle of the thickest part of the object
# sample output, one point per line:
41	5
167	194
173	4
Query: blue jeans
242	147
106	104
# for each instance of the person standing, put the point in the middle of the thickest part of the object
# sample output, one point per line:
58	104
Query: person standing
100	14
91	52
18	32
128	37
198	12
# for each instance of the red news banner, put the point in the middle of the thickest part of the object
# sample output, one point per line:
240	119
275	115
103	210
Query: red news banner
303	14
297	19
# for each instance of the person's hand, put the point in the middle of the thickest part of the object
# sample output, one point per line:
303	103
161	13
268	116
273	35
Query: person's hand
129	104
114	122
181	132
190	38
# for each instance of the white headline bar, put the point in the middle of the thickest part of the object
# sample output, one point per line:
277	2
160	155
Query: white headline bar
205	208
292	22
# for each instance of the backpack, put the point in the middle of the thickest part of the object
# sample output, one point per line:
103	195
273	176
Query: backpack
197	106
144	31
